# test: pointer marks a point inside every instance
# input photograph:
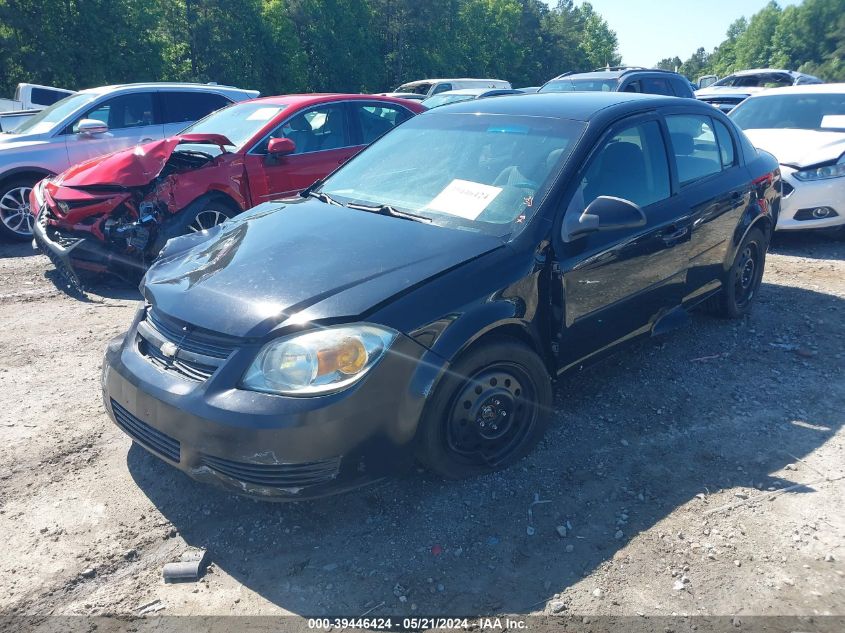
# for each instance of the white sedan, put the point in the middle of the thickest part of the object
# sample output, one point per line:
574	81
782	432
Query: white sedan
804	127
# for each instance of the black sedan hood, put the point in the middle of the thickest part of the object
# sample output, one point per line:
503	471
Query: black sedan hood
301	261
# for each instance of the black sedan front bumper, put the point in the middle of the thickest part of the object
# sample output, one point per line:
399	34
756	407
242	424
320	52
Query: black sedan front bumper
263	445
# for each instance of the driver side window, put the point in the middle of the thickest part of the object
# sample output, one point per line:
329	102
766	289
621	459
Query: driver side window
631	165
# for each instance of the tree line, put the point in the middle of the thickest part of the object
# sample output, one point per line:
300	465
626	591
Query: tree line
808	37
284	46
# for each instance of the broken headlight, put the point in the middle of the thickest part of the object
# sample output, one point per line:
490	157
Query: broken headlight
318	361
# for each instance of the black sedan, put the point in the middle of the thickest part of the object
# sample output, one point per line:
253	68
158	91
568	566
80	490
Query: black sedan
420	302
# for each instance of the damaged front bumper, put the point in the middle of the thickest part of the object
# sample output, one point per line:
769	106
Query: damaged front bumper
71	253
262	445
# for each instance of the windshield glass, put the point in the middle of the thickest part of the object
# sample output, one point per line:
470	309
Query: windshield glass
762	80
481	172
238	123
796	111
47	119
580	85
443	99
420	89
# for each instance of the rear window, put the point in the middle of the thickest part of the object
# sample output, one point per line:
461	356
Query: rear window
580	85
44	97
186	107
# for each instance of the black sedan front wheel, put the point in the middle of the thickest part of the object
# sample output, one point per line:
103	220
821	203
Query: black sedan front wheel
488	412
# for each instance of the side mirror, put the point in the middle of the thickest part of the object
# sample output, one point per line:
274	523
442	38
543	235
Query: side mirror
91	127
280	147
605	213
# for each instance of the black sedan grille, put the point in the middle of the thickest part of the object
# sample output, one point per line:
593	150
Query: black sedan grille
296	475
187	369
192	353
190	339
150	438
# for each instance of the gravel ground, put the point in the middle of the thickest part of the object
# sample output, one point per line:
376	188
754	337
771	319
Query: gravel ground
698	473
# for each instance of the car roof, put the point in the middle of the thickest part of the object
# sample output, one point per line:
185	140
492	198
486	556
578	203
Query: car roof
465	91
580	106
803	89
614	73
297	100
428	81
763	71
156	85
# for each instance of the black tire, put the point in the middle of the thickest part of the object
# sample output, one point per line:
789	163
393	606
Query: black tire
186	220
14	201
742	282
465	430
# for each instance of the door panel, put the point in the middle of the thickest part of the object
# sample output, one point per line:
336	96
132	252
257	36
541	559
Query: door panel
616	283
714	186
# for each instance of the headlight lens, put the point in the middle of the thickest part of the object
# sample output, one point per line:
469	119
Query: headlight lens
318	361
822	173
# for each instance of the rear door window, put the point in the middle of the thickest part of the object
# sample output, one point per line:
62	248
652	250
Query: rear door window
375	119
656	86
726	145
695	147
187	107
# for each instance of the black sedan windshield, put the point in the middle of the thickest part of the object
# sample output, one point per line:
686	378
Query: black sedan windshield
482	172
796	111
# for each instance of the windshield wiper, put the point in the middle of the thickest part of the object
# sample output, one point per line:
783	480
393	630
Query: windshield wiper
323	197
393	212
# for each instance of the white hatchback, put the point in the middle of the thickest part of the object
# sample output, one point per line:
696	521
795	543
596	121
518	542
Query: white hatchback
804	127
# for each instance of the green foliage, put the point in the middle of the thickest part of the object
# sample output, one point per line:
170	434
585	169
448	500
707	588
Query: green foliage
280	46
809	37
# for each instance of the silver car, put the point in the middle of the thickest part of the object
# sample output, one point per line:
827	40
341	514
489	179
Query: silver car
91	123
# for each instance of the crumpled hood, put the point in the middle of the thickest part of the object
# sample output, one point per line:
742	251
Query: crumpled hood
799	148
130	167
308	259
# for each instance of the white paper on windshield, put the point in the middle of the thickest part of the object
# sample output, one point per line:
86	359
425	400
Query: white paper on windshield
464	198
833	120
263	114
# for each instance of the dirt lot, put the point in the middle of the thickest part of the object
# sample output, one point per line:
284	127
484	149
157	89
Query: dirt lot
699	473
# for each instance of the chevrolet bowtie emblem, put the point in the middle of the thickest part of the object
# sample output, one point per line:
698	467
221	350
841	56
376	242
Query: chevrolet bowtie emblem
169	349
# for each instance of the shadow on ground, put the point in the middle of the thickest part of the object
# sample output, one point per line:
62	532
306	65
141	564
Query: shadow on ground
712	406
813	244
11	249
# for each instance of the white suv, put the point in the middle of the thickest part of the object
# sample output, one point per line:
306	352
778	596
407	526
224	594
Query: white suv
91	123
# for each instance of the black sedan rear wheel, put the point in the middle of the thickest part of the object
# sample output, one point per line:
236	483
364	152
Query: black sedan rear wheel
742	282
488	412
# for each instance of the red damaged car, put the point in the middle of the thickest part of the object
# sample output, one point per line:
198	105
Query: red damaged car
115	213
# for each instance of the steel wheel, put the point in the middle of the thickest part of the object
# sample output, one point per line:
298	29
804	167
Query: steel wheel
745	274
15	212
207	219
491	416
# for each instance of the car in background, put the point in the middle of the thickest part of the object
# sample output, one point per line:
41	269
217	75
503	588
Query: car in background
91	123
115	213
622	79
804	127
431	87
411	96
465	94
529	89
730	91
29	99
419	302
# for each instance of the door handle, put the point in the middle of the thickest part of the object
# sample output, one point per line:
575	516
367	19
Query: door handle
676	235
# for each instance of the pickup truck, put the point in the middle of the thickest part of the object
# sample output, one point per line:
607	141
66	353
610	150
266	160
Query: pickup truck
29	99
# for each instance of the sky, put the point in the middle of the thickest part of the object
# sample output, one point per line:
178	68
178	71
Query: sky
649	30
